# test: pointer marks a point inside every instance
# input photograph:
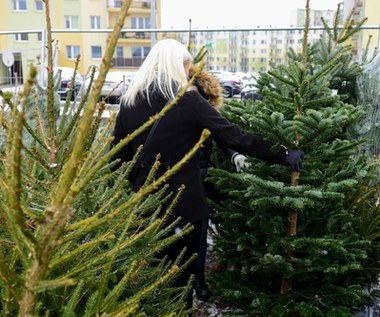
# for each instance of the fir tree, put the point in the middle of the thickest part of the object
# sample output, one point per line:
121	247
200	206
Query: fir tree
75	240
289	242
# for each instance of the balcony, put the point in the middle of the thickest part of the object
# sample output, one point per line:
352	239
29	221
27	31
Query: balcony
120	62
116	4
143	37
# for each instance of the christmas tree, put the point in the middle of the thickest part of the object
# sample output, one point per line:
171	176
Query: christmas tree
75	239
290	242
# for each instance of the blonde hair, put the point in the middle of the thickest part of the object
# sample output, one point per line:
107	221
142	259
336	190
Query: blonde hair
163	69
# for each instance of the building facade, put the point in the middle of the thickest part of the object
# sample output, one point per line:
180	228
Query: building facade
256	50
79	27
366	38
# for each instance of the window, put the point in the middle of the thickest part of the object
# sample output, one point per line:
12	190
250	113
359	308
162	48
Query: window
120	52
72	22
39	36
141	52
39	5
263	42
96	51
22	37
95	22
72	51
263	60
19	5
140	23
263	51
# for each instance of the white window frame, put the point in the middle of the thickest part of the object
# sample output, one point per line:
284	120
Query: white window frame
95	22
69	21
36	2
140	23
16	5
71	51
119	49
19	37
92	51
142	51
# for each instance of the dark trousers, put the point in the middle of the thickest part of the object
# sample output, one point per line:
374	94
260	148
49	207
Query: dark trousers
202	252
191	241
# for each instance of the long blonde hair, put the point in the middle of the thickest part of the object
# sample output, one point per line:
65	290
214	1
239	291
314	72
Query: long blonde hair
163	69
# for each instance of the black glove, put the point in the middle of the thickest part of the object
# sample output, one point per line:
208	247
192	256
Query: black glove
294	159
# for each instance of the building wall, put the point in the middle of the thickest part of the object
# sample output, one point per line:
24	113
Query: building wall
364	9
65	9
25	52
93	8
372	12
30	52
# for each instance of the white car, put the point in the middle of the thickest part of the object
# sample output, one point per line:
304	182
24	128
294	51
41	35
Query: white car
115	85
67	74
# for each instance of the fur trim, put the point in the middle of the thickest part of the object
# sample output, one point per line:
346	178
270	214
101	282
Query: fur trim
209	86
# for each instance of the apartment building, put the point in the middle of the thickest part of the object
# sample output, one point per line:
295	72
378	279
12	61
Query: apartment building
298	17
252	51
79	27
364	9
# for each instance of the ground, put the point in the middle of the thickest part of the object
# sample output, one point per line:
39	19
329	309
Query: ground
214	307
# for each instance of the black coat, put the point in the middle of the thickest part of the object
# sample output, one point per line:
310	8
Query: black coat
175	135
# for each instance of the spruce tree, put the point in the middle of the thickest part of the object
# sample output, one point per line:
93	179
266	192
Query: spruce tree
289	242
75	240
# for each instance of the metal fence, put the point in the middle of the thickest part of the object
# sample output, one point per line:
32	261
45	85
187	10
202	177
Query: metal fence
248	50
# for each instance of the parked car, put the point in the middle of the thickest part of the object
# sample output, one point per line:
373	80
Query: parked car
231	87
115	85
250	92
66	75
231	83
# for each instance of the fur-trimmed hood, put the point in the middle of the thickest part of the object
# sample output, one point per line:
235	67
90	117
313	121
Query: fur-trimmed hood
209	86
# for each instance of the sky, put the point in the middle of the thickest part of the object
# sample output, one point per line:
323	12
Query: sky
233	13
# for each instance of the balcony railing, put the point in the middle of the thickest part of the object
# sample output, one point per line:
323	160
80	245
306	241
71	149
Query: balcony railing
120	62
135	35
116	4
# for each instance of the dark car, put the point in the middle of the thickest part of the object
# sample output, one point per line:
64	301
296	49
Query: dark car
231	87
250	92
66	74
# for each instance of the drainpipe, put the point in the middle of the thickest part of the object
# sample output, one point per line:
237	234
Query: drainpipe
152	22
43	60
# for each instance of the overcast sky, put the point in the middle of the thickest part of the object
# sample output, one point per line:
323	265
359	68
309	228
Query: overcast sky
234	13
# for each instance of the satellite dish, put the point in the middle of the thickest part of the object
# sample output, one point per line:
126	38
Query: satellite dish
8	58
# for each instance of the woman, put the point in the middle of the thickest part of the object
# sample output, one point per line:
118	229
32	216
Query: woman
162	75
209	87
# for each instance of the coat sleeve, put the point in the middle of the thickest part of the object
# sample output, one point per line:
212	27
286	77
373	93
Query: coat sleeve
230	135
